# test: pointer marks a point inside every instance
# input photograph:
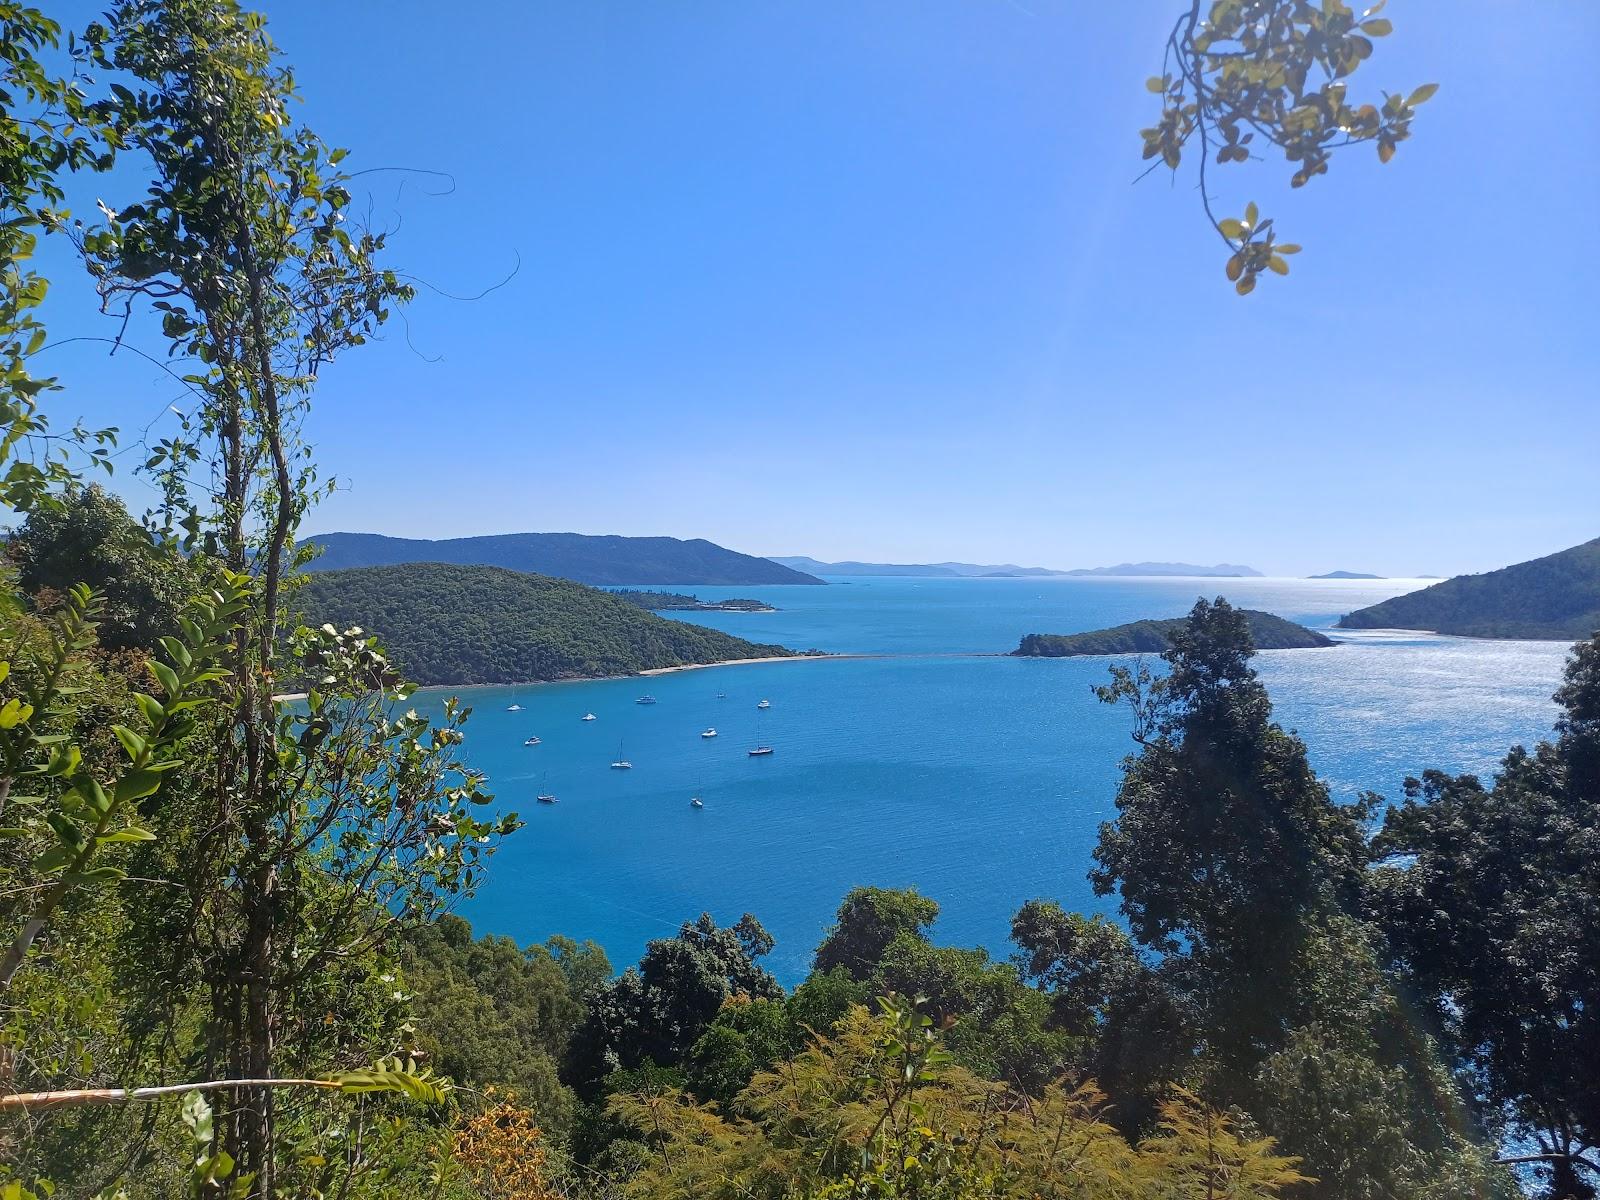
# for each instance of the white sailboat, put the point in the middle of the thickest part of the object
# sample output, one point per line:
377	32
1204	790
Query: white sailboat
621	764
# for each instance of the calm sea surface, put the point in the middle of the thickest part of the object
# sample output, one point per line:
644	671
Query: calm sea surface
980	780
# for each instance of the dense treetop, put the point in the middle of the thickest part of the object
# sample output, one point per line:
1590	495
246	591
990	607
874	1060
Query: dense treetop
1556	597
448	624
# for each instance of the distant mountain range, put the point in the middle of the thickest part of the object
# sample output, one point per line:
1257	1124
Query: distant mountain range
961	570
1347	575
581	557
1556	597
1220	571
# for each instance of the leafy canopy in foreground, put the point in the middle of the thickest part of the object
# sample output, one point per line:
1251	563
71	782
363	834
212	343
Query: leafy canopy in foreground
878	1108
1277	71
1491	900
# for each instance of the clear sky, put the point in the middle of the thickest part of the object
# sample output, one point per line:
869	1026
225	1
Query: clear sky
874	281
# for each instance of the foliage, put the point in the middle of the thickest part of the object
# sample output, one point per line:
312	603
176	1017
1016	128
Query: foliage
303	838
79	812
657	1011
501	1150
879	1109
1276	70
868	920
492	1014
1556	597
46	128
91	536
1225	839
1491	900
1080	962
467	625
1267	632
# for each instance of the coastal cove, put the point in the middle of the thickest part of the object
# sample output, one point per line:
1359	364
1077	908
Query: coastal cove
921	755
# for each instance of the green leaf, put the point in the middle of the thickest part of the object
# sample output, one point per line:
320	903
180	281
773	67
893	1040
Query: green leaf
131	741
167	677
132	833
93	794
54	859
1230	227
1277	266
1381	27
64	761
1251	214
13	712
1425	92
136	785
196	1114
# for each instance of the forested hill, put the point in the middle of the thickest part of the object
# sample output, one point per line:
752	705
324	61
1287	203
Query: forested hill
1556	597
1267	632
445	623
606	559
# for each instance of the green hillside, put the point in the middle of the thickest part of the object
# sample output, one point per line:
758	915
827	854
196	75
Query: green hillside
449	624
1556	598
1152	637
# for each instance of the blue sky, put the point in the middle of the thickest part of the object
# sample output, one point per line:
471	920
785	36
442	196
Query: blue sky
874	281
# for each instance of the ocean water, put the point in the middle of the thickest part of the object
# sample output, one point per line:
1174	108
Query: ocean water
936	762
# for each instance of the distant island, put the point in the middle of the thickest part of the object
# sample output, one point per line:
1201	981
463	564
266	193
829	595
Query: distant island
1347	575
445	623
608	559
1554	598
942	570
965	570
677	602
1147	569
1151	637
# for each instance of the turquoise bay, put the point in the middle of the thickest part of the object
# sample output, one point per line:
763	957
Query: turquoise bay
936	762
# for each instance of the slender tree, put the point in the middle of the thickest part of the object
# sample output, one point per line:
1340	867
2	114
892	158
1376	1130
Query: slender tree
313	831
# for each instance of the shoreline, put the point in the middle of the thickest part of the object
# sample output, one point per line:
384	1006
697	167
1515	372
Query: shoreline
735	662
652	671
648	671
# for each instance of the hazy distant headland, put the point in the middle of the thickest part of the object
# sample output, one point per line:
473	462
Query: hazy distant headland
653	601
1267	632
1347	575
941	570
963	570
1555	598
584	558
